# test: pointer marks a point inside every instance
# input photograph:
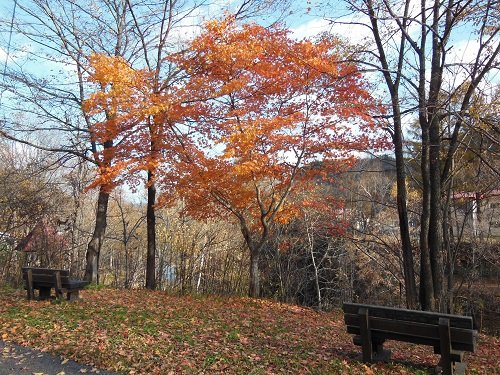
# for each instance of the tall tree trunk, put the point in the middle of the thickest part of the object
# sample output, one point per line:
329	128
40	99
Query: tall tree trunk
404	229
450	259
254	290
435	234
95	244
426	284
151	233
255	249
434	121
436	215
426	296
397	140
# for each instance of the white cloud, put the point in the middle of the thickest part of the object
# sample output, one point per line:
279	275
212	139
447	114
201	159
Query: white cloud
14	54
460	59
353	28
311	28
3	55
464	51
191	22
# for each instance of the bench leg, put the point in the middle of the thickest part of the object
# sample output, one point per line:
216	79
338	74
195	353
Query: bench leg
31	292
73	295
379	353
366	336
445	345
59	293
44	293
459	368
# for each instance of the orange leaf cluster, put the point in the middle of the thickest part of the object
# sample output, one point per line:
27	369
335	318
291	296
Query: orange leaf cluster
268	106
258	116
132	114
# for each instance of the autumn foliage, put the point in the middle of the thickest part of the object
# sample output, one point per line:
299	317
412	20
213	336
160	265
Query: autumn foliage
267	106
258	116
130	113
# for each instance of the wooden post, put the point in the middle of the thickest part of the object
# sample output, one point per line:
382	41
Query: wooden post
73	295
58	284
44	292
445	346
366	335
31	293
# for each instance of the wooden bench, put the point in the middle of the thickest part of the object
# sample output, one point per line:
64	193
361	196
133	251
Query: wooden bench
44	279
450	335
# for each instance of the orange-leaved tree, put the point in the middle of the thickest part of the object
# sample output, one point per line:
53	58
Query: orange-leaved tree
273	115
120	105
140	121
124	106
115	80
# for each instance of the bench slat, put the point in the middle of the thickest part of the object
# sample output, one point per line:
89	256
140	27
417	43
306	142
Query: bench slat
69	284
459	336
75	284
409	315
46	271
379	335
37	278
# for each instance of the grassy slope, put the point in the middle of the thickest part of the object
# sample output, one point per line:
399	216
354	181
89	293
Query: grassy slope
154	333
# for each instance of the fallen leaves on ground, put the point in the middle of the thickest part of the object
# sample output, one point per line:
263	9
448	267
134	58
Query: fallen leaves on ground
151	332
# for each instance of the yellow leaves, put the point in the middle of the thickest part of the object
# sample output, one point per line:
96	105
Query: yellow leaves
368	370
107	69
245	168
115	70
122	89
130	113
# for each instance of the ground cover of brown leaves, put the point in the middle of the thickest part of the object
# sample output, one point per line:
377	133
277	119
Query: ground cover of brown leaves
146	332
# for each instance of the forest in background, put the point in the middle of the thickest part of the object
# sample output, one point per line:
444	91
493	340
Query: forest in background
312	261
363	233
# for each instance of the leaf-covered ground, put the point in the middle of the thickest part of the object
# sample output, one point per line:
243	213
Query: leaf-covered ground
144	332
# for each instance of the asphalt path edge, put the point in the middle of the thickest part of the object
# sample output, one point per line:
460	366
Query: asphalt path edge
19	360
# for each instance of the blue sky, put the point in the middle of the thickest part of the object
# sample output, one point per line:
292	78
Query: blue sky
302	22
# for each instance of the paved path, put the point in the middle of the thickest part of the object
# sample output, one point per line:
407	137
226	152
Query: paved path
17	360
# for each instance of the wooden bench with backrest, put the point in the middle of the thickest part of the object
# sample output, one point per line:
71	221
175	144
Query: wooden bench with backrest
44	279
450	335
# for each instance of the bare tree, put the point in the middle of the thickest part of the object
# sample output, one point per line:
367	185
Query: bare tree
413	50
47	84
